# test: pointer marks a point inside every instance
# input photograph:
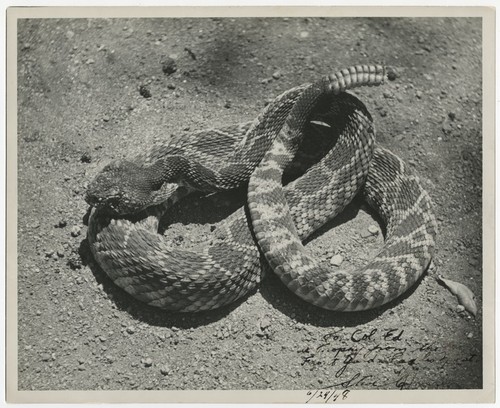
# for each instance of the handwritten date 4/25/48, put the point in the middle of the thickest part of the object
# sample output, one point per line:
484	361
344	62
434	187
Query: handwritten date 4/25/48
315	396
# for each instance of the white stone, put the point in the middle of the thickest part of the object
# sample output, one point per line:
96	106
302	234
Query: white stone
336	260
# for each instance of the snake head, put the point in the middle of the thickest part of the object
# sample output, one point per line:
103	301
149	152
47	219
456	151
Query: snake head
122	187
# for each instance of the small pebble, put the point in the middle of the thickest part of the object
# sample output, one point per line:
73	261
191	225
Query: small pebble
387	95
171	86
131	330
75	231
168	66
265	322
105	118
45	356
373	229
178	239
366	234
473	262
190	52
144	91
85	158
61	224
419	94
90	61
336	260
460	308
304	34
446	127
147	362
392	75
470	335
277	75
164	370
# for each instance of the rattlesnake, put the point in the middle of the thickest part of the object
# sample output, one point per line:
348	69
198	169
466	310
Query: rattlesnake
140	261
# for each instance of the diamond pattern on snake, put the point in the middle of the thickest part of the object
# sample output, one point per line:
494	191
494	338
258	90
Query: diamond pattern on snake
279	145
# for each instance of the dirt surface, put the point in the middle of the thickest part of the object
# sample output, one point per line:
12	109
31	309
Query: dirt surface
93	90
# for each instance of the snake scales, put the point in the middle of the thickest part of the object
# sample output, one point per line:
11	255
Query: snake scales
342	164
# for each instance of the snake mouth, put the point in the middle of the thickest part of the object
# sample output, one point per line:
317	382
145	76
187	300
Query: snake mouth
109	203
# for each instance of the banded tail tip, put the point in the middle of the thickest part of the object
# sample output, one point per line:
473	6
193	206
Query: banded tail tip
357	76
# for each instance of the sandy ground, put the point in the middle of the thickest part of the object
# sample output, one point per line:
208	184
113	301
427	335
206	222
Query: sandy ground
93	90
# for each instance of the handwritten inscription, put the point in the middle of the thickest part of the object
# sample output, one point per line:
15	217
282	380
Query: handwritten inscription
396	359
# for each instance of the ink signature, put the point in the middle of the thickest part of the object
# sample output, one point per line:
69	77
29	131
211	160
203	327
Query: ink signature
344	349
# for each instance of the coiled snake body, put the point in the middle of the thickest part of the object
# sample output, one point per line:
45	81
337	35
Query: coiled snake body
140	261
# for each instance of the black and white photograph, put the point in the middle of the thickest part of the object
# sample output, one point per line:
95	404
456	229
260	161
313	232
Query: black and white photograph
254	202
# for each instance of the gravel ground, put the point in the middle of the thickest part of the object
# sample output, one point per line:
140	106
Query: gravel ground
92	90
